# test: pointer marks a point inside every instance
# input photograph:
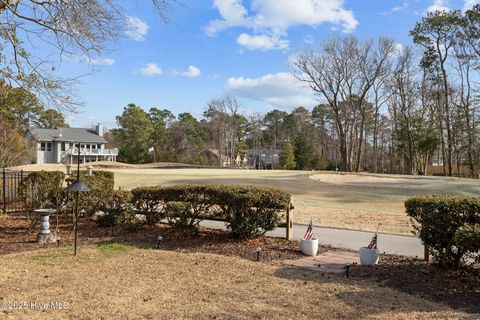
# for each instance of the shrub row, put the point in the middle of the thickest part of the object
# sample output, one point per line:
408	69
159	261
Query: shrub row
446	224
248	210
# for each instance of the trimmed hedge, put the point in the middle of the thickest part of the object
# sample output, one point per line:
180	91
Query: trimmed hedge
249	211
436	220
468	237
101	185
115	208
41	189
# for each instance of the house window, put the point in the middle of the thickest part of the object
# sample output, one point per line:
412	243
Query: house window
94	146
49	146
63	146
99	146
42	146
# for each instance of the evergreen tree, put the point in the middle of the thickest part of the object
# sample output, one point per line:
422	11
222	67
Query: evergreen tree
134	134
303	152
287	157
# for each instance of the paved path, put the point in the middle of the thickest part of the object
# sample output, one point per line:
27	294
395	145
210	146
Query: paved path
348	239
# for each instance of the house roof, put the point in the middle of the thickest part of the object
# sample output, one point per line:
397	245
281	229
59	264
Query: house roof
67	134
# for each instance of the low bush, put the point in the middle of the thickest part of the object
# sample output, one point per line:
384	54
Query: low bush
107	220
100	183
179	215
41	189
249	211
114	208
436	220
468	238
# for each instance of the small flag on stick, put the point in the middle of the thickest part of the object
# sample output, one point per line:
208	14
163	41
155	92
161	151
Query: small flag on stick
309	233
373	242
151	149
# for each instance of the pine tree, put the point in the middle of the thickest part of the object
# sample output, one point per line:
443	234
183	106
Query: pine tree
287	157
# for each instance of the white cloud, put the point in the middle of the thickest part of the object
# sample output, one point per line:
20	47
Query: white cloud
192	72
100	61
151	69
136	28
398	50
397	8
275	17
279	90
262	42
439	5
279	15
469	4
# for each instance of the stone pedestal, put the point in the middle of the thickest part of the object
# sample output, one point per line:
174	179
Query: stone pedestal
45	235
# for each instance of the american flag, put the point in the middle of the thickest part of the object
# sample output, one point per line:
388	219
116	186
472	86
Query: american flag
373	242
309	234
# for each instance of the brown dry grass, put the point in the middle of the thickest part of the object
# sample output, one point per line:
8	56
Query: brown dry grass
119	282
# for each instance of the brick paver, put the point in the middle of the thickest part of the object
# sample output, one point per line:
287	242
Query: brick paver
330	261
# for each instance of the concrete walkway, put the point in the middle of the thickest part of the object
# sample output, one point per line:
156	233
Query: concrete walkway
348	239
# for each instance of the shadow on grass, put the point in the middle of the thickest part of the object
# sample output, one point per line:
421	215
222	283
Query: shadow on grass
459	290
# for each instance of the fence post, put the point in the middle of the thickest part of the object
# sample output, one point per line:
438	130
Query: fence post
289	232
4	178
426	254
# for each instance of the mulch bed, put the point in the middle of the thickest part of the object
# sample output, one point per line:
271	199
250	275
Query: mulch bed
460	289
14	237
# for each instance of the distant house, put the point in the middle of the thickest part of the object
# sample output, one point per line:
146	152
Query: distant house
60	145
263	158
214	157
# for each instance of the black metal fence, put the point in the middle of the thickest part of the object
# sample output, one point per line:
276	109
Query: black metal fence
10	198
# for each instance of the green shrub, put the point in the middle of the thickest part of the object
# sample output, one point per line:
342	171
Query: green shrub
179	215
100	183
114	208
107	220
147	202
129	222
249	211
468	238
437	218
41	189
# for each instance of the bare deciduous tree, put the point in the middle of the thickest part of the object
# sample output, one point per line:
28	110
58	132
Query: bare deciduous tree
77	28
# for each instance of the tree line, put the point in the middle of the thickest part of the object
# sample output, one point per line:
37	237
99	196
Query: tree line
384	108
391	110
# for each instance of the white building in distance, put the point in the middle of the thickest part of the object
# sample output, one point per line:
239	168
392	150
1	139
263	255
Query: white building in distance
60	145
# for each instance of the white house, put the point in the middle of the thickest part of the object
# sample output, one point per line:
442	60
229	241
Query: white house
61	145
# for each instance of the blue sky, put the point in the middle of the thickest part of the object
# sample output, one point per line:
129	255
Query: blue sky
211	48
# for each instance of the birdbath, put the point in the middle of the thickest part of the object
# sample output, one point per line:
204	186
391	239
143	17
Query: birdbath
45	234
89	171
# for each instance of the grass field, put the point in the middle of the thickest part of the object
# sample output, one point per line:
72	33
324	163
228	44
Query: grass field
116	281
353	201
333	200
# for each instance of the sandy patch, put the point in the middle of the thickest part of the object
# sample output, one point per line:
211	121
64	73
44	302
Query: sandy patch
367	179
